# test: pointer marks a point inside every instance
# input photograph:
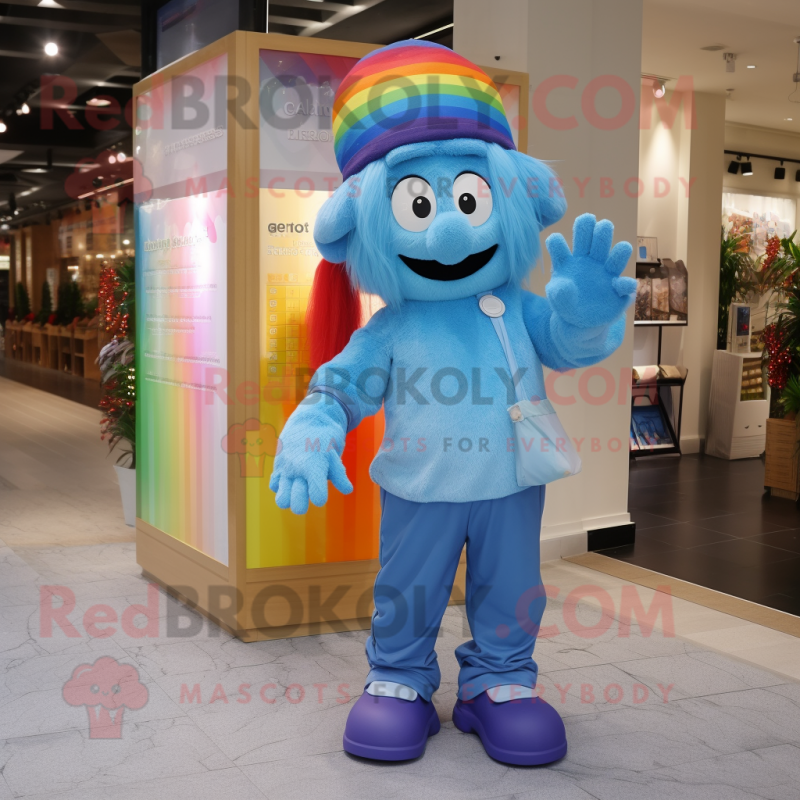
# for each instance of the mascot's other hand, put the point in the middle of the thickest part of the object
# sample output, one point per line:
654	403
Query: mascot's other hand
309	455
586	288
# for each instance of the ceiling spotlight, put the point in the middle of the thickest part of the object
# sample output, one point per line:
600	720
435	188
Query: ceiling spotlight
112	159
99	255
51	49
747	168
24	109
733	168
121	157
3	127
126	241
49	4
659	90
98	102
780	172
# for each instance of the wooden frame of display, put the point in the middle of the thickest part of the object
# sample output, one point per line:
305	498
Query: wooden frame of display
185	572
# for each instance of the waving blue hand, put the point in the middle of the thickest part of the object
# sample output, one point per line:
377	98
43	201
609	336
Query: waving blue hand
586	289
586	297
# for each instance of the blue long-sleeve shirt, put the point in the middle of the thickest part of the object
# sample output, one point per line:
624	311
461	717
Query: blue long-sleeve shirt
440	371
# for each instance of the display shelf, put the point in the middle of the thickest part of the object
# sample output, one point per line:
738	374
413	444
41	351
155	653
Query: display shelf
655	424
738	406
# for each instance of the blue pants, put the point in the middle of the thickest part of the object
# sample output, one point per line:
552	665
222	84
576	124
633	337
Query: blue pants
420	546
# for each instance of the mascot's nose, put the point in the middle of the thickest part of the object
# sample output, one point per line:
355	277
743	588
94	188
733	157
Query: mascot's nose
449	238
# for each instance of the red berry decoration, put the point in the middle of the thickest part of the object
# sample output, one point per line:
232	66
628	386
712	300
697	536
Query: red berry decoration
779	358
773	248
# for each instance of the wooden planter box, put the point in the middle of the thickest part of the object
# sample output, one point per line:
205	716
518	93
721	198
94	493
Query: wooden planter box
39	345
781	472
51	332
65	333
27	342
11	333
84	353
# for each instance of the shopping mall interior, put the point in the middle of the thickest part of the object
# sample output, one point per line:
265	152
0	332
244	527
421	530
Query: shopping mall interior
192	224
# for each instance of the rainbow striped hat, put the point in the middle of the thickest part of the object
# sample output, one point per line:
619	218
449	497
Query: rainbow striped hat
413	91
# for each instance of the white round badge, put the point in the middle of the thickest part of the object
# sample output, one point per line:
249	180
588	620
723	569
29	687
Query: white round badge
492	306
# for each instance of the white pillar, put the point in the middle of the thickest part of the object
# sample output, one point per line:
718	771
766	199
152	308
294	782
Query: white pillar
583	40
704	221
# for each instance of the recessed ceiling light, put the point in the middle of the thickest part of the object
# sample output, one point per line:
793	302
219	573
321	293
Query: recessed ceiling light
121	157
751	66
126	241
51	49
787	119
35	170
112	159
98	102
24	109
49	4
3	127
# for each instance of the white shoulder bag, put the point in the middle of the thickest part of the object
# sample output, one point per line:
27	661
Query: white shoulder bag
542	449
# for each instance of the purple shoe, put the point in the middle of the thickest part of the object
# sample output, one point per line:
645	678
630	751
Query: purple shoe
524	732
389	729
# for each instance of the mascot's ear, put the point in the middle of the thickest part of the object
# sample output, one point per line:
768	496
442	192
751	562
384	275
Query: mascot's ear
335	220
542	184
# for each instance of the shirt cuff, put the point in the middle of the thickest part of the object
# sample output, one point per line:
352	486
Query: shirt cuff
349	406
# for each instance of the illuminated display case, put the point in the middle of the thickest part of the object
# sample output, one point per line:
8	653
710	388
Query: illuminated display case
234	157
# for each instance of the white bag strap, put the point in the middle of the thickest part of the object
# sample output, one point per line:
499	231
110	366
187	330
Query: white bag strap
502	334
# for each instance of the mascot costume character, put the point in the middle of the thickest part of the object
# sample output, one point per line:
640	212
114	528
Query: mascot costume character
440	217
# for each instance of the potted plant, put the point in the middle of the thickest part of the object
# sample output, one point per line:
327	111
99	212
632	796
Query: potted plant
118	378
782	362
734	264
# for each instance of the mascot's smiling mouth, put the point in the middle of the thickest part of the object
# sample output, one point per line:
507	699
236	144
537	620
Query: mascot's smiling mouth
436	271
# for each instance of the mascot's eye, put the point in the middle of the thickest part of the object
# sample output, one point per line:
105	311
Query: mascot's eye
95	689
473	197
413	204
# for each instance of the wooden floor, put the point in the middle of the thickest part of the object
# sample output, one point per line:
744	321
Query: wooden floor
57	481
79	390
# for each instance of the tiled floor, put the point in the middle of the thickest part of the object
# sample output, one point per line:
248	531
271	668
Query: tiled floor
653	713
707	521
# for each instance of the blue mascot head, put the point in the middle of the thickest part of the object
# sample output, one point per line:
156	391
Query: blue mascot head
437	204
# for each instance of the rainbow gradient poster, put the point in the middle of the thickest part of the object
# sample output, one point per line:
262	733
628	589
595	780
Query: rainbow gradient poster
298	173
181	337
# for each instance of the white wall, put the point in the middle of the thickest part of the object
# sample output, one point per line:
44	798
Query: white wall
585	39
687	223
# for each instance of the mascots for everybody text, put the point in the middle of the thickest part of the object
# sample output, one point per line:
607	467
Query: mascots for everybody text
440	216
